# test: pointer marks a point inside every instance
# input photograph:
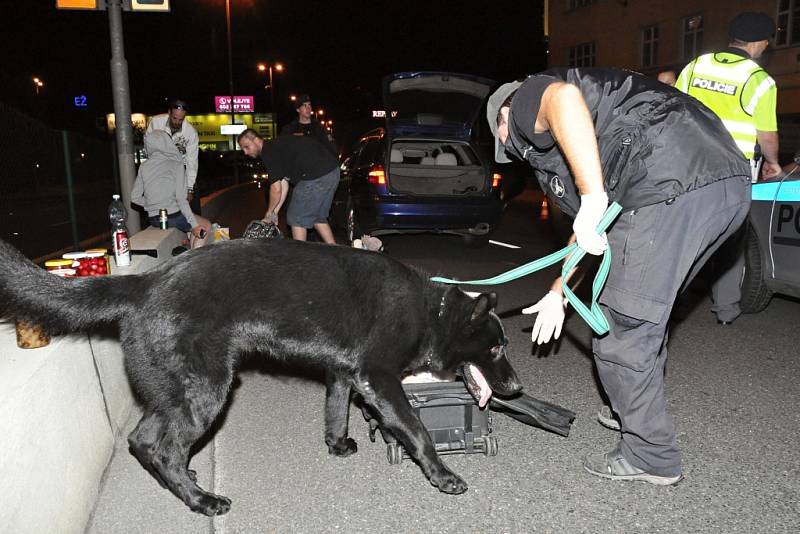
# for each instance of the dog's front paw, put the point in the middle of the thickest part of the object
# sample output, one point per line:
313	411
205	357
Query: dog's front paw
210	504
449	482
343	447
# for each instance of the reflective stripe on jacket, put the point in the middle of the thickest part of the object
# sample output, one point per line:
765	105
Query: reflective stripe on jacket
732	86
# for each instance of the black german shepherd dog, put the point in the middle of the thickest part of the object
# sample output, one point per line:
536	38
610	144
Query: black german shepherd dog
362	317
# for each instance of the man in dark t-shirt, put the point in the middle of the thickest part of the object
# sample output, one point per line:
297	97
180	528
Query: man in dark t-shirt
310	168
305	125
595	135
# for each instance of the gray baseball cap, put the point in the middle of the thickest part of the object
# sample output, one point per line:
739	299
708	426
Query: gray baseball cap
492	107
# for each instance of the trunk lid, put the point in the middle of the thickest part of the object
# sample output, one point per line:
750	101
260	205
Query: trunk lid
435	104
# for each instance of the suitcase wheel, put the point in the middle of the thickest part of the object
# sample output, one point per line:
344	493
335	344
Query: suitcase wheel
489	445
394	453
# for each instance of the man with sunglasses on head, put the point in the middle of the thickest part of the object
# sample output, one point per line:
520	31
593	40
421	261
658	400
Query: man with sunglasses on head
186	141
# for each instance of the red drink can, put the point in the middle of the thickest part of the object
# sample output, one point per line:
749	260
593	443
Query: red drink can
122	251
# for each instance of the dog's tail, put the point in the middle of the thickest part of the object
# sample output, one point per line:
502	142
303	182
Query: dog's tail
57	304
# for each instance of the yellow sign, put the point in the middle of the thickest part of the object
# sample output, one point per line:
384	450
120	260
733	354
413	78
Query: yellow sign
138	121
80	4
208	126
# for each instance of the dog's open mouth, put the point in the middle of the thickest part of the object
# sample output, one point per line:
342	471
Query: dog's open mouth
477	384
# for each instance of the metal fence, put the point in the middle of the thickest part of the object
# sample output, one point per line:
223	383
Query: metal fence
55	186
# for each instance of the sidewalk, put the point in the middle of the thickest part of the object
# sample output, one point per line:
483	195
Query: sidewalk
733	395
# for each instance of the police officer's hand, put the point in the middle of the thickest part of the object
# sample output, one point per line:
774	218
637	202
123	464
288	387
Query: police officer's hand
550	318
593	206
770	170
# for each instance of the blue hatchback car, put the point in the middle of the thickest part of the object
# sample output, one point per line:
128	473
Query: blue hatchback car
422	172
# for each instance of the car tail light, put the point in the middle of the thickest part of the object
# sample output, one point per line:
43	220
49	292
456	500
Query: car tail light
376	175
496	179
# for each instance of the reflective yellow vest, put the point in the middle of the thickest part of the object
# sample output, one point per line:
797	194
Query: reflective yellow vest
733	86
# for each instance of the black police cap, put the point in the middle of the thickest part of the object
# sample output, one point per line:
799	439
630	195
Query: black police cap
751	27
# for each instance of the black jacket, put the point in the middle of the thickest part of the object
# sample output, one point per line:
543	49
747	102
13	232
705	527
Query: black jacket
655	142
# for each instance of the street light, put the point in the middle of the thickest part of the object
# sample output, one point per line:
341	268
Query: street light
262	67
37	84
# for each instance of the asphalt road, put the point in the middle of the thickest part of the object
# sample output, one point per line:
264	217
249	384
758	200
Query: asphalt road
733	392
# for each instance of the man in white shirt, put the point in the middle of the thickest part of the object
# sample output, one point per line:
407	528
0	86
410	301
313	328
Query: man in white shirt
185	138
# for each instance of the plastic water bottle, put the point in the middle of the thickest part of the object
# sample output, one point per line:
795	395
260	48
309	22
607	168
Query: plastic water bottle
117	214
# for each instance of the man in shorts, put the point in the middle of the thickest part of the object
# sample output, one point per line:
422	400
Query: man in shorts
307	165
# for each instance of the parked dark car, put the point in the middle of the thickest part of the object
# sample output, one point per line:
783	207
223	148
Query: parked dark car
422	172
773	240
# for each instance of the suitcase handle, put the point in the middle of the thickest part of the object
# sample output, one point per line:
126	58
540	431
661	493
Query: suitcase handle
416	398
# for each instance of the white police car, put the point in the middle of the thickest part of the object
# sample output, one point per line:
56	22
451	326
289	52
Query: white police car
773	241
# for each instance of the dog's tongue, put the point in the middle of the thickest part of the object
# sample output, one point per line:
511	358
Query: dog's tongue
477	385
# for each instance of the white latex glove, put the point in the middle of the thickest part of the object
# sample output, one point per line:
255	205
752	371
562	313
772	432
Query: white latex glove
271	217
593	206
550	318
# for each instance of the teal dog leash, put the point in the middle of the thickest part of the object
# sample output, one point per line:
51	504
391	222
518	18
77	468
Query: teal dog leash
592	315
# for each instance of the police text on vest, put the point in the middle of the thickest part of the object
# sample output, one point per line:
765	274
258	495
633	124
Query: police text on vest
719	87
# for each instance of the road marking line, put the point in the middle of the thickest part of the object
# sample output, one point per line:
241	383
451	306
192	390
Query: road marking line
501	244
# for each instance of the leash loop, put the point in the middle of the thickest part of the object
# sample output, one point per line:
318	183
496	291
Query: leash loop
591	314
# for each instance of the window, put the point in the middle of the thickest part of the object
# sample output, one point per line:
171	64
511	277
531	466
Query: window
692	36
582	55
788	23
650	46
371	152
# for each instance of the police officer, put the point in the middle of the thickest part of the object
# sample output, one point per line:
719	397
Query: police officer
594	135
738	90
743	95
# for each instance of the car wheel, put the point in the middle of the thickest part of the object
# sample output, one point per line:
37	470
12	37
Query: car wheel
351	225
755	293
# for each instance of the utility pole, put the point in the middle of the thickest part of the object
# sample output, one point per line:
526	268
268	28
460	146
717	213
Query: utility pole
122	111
230	87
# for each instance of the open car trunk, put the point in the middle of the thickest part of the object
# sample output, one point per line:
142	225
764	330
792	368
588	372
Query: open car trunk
435	168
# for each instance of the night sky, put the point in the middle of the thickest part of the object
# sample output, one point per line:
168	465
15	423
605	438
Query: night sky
337	51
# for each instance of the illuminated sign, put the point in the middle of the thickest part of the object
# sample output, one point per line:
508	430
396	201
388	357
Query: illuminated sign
241	104
81	4
209	127
232	129
138	120
81	101
146	5
381	113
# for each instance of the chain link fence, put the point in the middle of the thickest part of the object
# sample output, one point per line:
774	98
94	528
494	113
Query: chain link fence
41	212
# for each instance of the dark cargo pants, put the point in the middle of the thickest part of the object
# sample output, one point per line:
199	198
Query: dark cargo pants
726	290
656	251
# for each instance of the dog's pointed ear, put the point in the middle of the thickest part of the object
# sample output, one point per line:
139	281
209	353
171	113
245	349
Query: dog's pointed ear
484	303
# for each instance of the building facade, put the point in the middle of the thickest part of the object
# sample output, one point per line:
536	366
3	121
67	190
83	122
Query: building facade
651	36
